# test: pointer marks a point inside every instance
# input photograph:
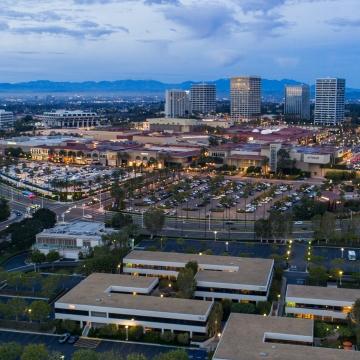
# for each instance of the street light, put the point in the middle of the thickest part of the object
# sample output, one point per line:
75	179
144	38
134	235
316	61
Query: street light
342	252
215	232
340	276
227	246
127	332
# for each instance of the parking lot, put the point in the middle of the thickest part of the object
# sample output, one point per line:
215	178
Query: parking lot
123	348
218	198
60	177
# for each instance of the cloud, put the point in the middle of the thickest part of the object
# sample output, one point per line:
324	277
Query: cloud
260	5
161	2
26	15
3	26
343	22
64	31
204	21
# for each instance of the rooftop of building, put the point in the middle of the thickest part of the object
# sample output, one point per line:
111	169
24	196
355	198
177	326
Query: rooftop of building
80	227
245	271
94	291
243	338
322	293
68	112
36	141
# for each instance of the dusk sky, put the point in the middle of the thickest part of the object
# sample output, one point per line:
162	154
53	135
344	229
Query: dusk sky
177	40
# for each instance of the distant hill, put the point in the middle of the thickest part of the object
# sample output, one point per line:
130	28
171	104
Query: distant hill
270	88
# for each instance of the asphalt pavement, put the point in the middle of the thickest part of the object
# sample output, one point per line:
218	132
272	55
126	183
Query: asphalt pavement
122	347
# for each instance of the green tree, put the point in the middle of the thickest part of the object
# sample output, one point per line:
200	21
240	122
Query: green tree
16	307
118	194
215	318
39	310
179	354
355	313
186	283
263	307
10	351
244	308
37	257
318	274
46	217
167	336
183	338
35	352
4	209
262	229
136	356
119	220
52	256
154	220
109	355
193	266
85	354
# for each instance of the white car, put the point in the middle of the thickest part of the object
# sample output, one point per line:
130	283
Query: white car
88	216
298	222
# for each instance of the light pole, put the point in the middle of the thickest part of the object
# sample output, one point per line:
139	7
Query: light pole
342	253
209	220
340	276
127	332
215	233
227	246
142	219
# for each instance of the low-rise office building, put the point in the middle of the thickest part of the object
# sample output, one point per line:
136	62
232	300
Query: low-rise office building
125	300
69	119
254	337
316	302
218	277
71	239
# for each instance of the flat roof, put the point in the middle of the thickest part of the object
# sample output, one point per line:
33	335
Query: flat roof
322	293
249	271
243	338
92	291
77	227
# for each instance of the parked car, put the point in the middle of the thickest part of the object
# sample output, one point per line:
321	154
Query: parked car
64	338
72	339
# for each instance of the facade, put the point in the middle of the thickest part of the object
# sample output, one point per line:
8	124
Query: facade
297	102
69	119
127	301
71	239
203	98
173	124
329	101
177	103
218	277
254	337
6	120
245	93
316	302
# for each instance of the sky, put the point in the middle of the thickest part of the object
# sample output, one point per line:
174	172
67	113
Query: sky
179	40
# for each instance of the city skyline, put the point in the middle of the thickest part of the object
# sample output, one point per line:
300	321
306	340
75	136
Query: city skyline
174	41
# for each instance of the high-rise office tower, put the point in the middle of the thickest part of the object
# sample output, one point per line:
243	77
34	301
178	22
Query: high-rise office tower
297	102
245	93
203	98
177	103
329	101
6	120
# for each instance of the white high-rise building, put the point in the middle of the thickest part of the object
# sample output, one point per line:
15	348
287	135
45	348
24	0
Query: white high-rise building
6	119
177	103
203	98
330	101
297	102
245	92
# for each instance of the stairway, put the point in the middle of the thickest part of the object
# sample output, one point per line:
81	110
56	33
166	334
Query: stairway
87	343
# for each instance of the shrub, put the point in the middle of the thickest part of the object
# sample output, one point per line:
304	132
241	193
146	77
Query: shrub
245	308
167	336
183	338
109	330
136	332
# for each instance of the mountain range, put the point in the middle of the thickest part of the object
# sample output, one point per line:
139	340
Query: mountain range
270	88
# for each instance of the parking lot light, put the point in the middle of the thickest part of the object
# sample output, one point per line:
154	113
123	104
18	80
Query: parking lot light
215	233
342	252
340	276
227	246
